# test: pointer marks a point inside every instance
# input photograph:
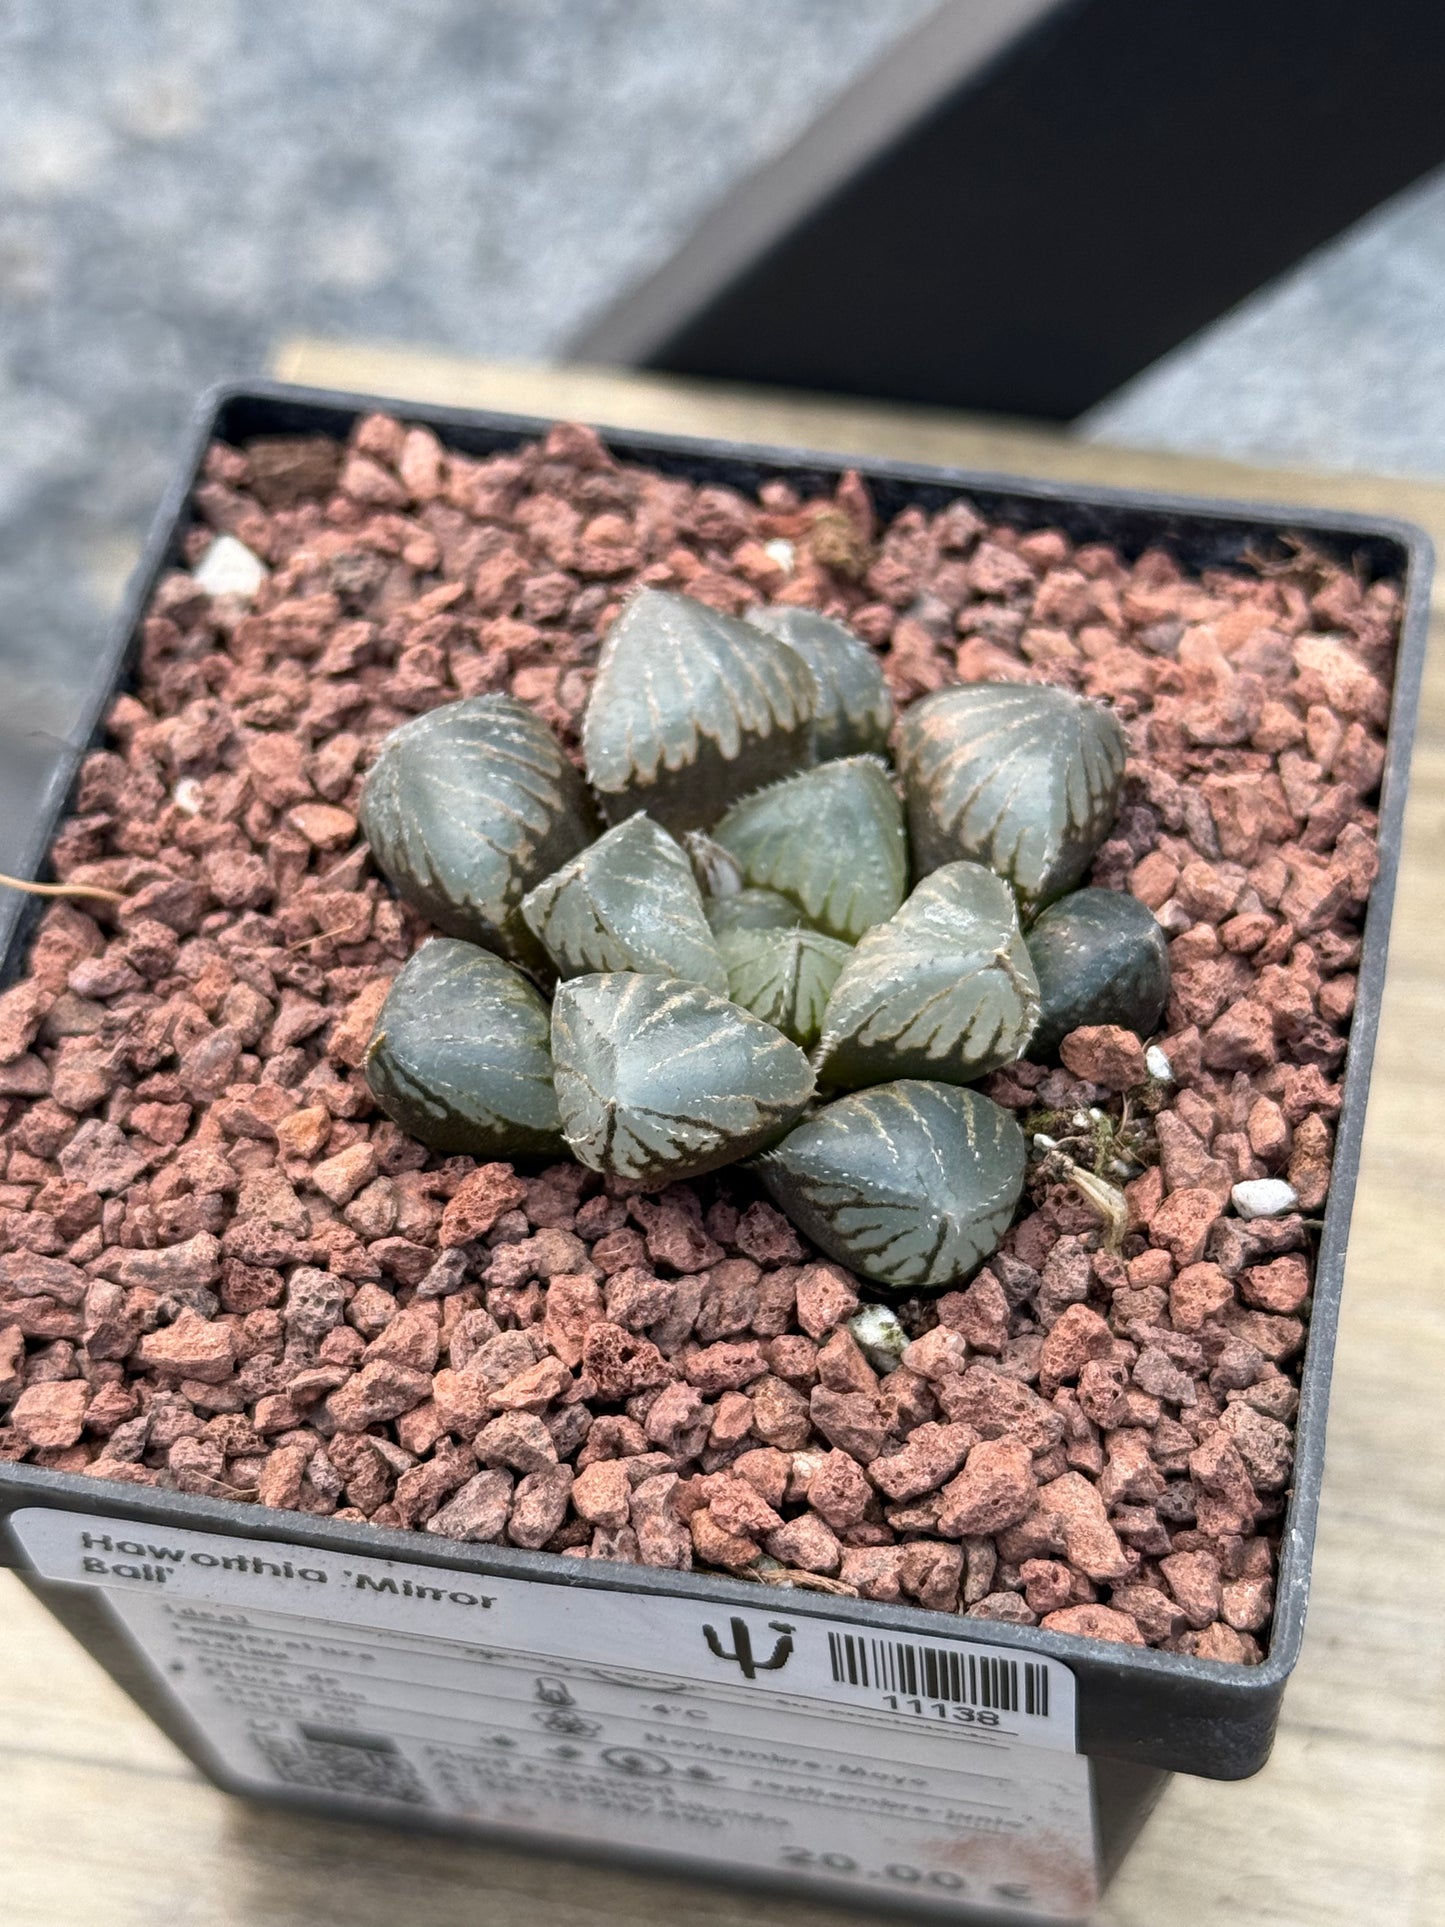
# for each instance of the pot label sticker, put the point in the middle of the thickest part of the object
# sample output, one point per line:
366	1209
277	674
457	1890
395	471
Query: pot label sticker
929	1771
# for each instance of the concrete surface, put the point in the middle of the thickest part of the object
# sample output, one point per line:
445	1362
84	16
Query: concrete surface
181	183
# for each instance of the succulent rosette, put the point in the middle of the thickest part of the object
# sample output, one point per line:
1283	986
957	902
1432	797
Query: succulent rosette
738	969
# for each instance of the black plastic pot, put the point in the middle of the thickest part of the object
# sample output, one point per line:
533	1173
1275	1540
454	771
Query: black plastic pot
1141	1713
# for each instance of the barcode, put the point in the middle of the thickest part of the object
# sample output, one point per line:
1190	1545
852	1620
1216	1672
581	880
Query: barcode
940	1673
335	1760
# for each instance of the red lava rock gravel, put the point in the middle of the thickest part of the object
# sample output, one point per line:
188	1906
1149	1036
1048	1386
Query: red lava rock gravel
222	1272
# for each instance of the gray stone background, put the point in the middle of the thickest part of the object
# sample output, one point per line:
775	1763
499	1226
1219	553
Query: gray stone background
183	181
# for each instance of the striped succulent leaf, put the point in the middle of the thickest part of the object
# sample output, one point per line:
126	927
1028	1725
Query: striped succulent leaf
831	840
945	989
657	1079
784	977
460	1056
1022	777
691	708
752	910
855	706
911	1184
469	806
628	902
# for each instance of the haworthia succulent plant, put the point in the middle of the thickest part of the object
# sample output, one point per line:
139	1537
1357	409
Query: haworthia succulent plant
784	977
1100	958
752	910
855	707
628	902
691	708
1023	777
460	1055
831	840
657	1079
694	969
945	989
469	806
911	1184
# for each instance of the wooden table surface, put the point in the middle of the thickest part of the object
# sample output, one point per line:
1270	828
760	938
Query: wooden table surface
102	1820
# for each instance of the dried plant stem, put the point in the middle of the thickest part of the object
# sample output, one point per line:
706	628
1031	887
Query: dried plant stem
802	1581
92	890
1108	1200
322	936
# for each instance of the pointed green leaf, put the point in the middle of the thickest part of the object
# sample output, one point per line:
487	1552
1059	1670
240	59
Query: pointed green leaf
855	706
784	977
1022	777
460	1055
945	989
658	1079
629	902
910	1184
752	910
466	808
831	840
691	708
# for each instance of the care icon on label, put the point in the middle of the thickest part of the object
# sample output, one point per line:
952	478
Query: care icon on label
565	1719
561	1714
636	1763
553	1692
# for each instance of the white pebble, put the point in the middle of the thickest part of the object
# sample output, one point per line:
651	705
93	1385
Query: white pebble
188	796
1264	1198
782	552
879	1336
1043	1142
1158	1065
229	568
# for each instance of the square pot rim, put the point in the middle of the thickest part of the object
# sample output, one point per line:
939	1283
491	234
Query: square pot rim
1232	1693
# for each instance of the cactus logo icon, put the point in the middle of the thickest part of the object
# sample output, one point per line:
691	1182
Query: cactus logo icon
742	1654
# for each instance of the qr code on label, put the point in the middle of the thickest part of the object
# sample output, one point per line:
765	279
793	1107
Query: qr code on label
326	1759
